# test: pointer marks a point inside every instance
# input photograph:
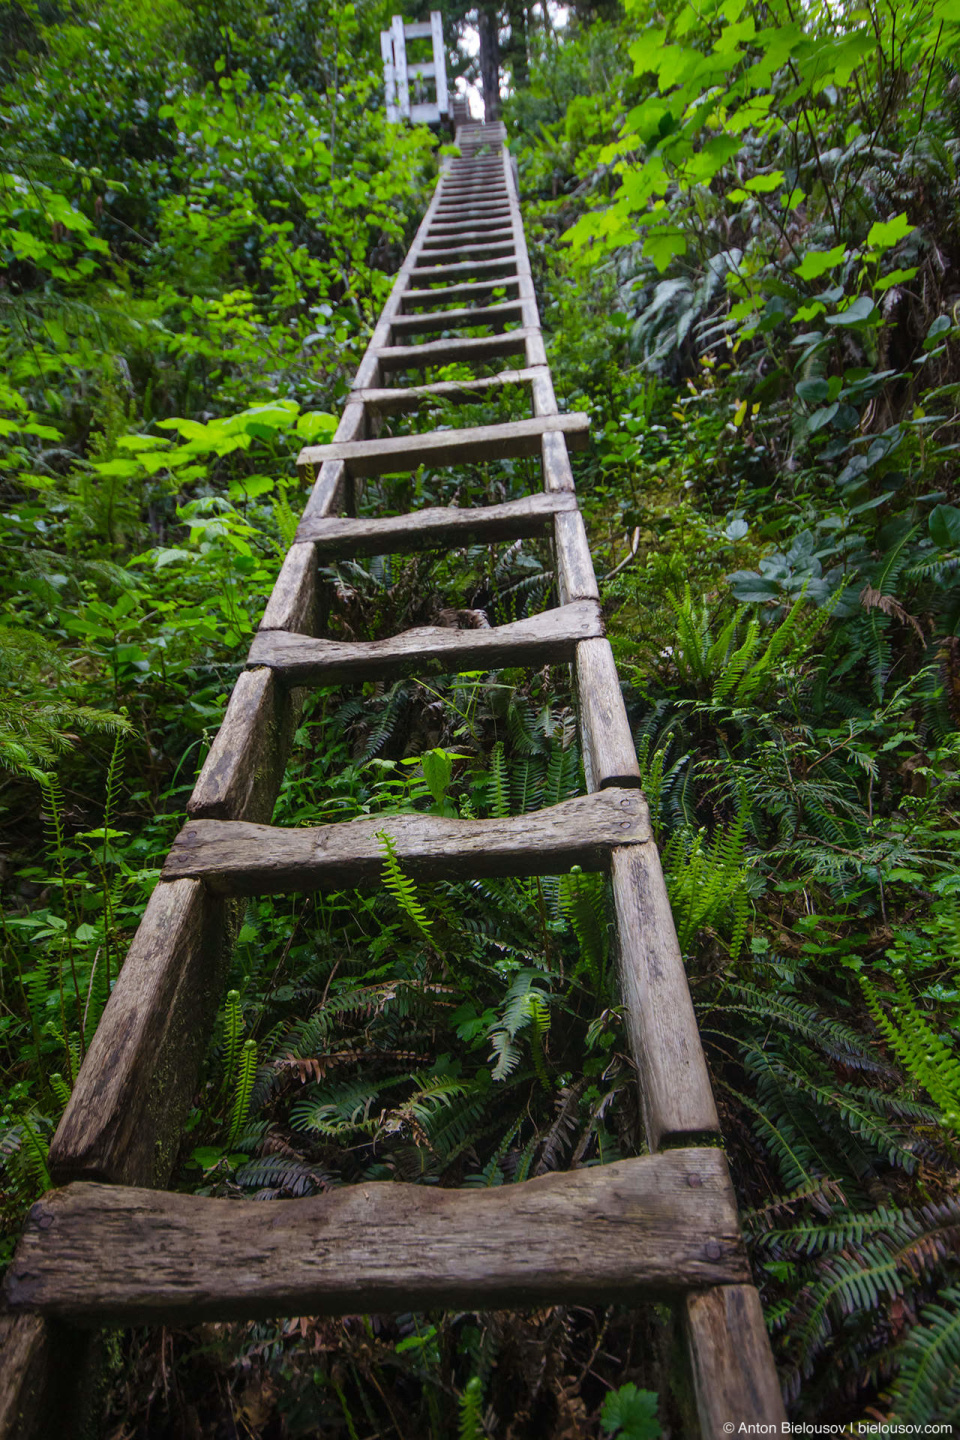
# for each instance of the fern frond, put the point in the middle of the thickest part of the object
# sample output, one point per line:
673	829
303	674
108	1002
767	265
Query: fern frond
402	888
499	804
928	1385
926	1056
243	1090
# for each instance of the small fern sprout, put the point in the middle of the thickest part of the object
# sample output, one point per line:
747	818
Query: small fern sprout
243	1091
402	888
470	1403
61	1089
232	1033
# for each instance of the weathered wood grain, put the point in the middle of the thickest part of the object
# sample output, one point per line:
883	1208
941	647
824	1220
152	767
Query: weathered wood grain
462	252
607	1234
234	858
474	210
473	192
609	754
293	600
444	236
557	474
122	1122
429	649
544	399
471	289
449	229
675	1091
506	441
449	201
502	314
438	526
503	265
46	1379
575	577
458	392
734	1376
535	352
244	766
446	352
476	178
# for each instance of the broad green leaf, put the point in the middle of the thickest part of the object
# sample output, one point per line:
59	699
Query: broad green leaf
817	262
857	313
939	327
805	313
171	556
819	418
945	526
765	184
437	772
124	468
26	246
711	159
316	425
732	35
813	390
750	587
884	233
189	429
140	442
896	277
250	487
631	1414
663	245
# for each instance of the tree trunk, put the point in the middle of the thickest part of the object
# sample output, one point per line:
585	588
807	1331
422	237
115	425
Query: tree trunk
489	28
519	54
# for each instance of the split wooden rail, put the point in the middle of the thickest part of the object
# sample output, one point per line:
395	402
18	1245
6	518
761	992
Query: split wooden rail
111	1245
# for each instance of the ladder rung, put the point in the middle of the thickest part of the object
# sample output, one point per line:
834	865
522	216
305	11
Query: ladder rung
234	857
482	236
483	190
502	219
476	210
491	174
657	1225
336	539
446	352
452	252
467	267
448	229
457	319
465	291
461	392
433	649
472	209
397	453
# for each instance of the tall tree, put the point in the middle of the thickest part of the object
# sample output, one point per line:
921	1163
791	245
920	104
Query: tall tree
488	25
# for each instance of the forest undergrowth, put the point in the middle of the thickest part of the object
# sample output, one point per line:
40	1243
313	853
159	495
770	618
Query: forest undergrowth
745	235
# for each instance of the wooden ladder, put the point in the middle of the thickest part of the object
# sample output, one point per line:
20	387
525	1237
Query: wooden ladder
111	1246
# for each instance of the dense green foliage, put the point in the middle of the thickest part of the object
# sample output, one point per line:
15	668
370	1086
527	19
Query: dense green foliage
744	223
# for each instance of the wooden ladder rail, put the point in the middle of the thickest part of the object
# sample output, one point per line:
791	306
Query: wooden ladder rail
120	1131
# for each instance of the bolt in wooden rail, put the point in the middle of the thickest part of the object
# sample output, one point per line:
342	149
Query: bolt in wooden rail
110	1245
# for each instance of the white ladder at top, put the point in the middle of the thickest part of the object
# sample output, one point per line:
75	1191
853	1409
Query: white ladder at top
397	73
